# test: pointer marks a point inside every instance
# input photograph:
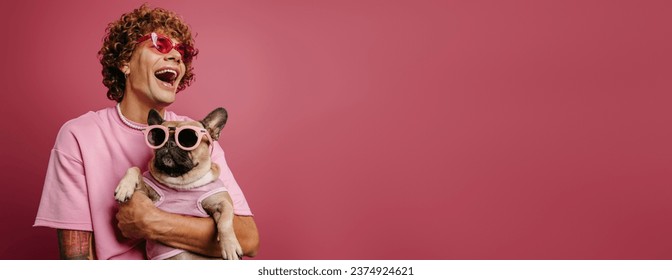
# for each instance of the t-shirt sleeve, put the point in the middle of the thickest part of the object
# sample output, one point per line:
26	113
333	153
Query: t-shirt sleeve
64	203
240	206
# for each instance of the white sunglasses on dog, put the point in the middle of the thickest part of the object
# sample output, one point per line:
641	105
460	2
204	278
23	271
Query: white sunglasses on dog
187	137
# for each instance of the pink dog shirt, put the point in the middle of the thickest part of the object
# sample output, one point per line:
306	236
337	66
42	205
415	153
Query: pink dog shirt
185	202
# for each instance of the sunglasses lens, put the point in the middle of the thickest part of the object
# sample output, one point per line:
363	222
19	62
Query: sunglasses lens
156	137
188	138
163	44
185	51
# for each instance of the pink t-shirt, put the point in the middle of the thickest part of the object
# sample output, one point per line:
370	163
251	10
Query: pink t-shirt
91	155
185	202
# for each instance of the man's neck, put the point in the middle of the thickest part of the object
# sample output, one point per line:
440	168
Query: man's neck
136	111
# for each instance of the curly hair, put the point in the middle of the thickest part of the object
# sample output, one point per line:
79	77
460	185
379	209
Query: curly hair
121	38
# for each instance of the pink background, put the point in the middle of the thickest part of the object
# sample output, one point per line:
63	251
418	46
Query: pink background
388	129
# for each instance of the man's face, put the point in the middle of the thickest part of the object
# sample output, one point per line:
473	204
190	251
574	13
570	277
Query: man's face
154	76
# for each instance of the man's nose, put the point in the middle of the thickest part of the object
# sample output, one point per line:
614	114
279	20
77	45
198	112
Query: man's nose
174	56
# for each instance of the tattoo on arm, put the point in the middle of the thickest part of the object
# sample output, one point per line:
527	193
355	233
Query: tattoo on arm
75	245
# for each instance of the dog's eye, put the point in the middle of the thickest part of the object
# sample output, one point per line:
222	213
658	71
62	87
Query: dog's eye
156	137
188	138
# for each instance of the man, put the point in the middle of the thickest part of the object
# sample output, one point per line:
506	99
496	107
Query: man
146	58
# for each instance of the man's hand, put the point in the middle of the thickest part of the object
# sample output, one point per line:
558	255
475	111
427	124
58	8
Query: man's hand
135	215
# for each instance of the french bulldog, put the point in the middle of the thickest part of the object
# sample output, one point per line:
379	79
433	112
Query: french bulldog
182	179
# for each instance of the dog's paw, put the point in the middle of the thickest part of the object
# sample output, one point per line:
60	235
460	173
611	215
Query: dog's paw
231	249
125	189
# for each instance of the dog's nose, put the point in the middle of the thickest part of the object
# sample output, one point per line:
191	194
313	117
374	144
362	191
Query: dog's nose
168	161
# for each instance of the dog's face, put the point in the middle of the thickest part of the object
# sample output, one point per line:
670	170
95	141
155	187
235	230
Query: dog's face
171	161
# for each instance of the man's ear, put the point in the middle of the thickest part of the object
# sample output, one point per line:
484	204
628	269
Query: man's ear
214	122
154	117
124	68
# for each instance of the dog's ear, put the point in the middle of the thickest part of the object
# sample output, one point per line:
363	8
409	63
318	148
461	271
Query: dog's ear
154	117
214	122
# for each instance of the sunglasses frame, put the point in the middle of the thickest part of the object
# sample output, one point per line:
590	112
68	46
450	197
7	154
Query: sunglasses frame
186	51
199	131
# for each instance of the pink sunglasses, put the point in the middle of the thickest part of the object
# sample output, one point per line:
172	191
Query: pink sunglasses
187	137
164	45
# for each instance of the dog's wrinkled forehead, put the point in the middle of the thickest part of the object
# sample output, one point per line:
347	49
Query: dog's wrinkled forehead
178	124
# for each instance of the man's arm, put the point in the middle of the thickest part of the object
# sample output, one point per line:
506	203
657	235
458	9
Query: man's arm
76	245
139	218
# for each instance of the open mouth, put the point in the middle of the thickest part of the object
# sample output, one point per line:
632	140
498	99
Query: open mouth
167	76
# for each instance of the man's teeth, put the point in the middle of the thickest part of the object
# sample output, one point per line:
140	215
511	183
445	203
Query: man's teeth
167	76
166	71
